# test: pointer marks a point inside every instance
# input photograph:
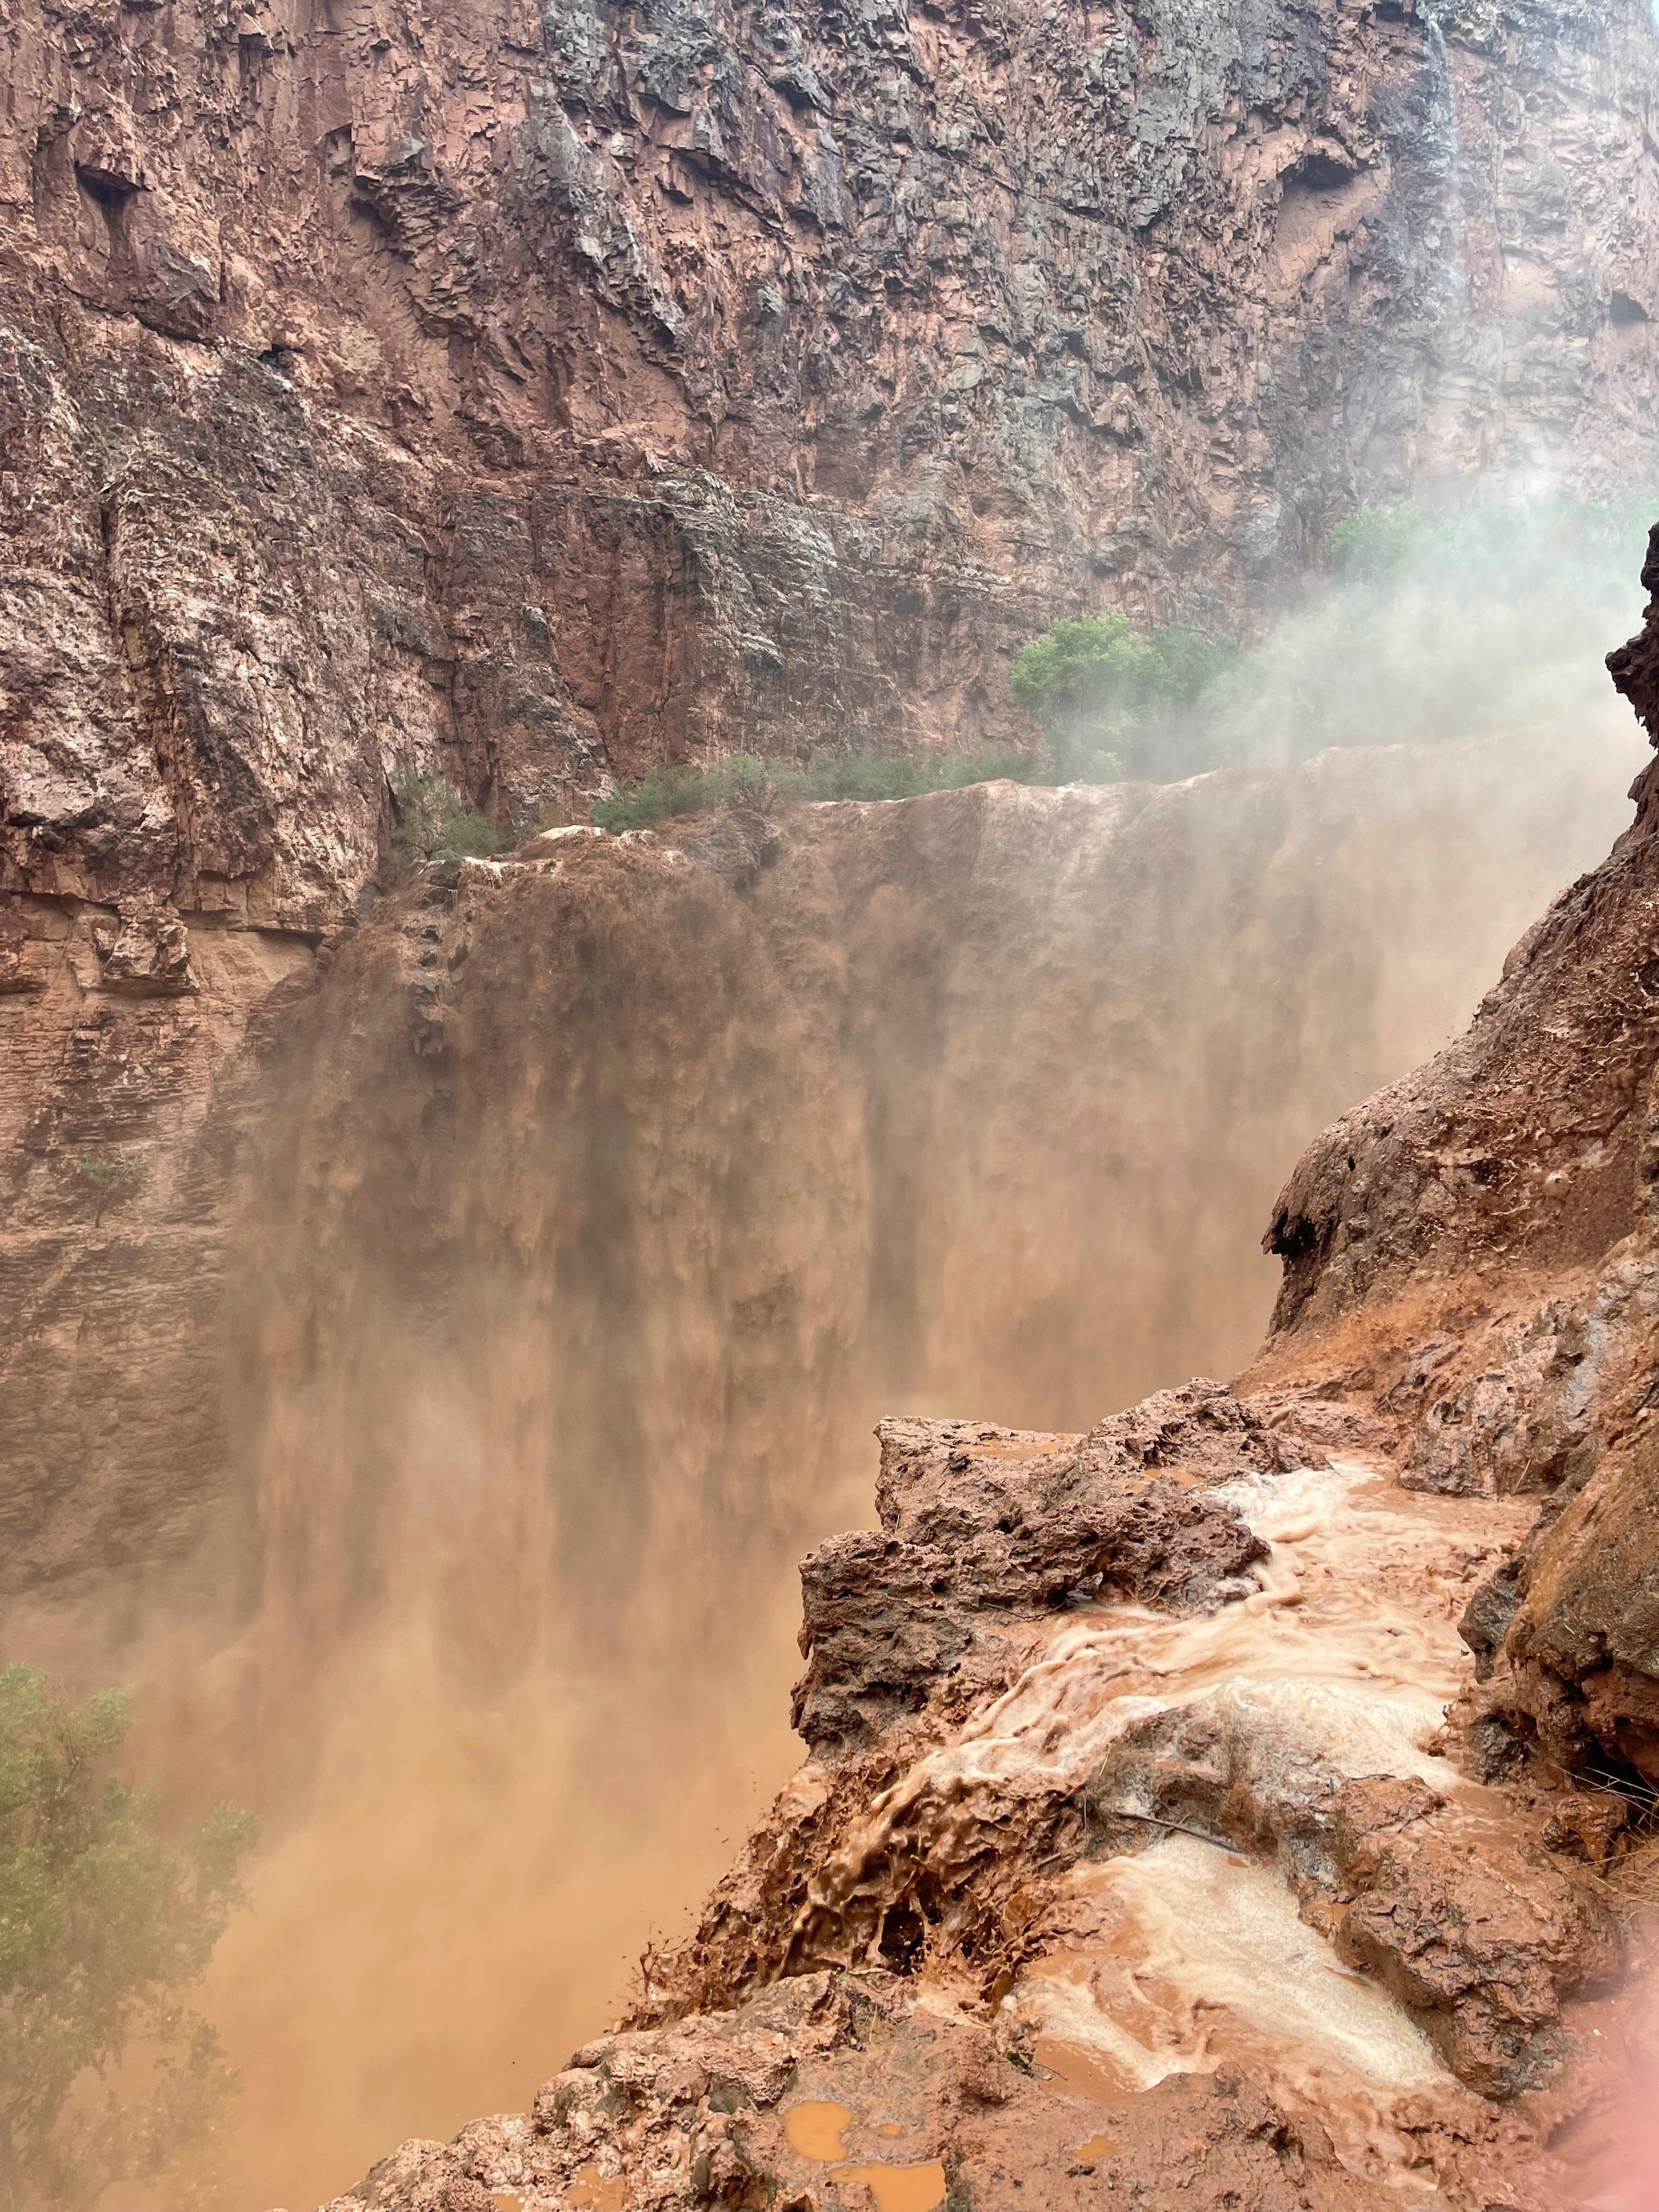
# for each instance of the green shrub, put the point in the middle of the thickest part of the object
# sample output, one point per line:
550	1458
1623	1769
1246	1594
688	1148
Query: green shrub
1114	703
1487	618
113	1178
742	779
1090	665
102	1930
430	822
1377	541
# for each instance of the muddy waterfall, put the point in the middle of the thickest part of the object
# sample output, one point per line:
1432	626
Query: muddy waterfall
448	1296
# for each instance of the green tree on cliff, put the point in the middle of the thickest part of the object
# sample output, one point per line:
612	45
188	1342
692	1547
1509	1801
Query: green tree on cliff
106	2076
431	822
1114	703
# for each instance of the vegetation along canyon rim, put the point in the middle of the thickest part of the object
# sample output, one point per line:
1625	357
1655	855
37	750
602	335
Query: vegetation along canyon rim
713	720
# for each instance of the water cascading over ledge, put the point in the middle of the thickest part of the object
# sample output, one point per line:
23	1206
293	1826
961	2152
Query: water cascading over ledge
608	1200
1229	1803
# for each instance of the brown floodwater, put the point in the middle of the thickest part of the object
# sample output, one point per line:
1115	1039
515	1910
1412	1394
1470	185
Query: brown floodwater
548	1363
897	2188
815	2128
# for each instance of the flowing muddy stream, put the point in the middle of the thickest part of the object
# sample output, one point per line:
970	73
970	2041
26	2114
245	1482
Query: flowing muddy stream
1210	1949
546	1354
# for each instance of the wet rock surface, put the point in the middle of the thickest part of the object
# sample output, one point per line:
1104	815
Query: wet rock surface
975	1521
1139	1912
834	2090
538	399
1475	1253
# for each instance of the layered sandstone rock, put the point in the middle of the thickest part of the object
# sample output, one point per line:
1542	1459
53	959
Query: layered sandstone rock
548	396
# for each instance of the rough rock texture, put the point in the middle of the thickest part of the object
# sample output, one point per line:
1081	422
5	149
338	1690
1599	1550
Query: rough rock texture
1477	1249
977	1520
121	1102
545	395
920	1852
700	2113
859	1995
1469	1922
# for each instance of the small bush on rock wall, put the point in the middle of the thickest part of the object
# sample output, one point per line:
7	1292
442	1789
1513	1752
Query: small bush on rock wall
430	822
1481	620
1114	703
1461	624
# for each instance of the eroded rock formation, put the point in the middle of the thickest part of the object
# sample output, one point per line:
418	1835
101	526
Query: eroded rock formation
1099	1722
706	2106
1491	1218
976	1519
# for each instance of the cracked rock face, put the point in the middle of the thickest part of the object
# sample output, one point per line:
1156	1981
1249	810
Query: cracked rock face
547	396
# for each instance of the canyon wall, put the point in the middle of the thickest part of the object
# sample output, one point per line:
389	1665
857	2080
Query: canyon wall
426	1289
1473	1251
544	398
547	396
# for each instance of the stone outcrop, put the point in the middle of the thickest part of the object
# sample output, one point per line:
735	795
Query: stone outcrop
872	2082
1476	1250
981	1521
909	1972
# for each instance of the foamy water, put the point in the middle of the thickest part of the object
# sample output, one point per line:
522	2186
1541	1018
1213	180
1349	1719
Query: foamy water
1201	1960
1347	1654
1186	1956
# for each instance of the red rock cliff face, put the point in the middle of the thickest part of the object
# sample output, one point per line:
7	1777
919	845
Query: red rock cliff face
549	396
